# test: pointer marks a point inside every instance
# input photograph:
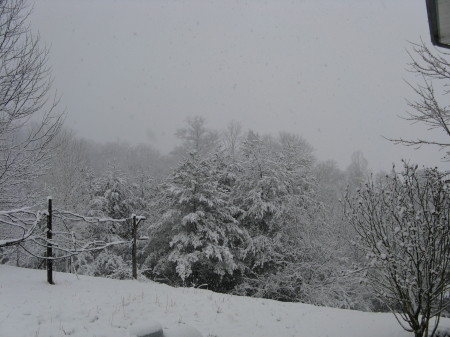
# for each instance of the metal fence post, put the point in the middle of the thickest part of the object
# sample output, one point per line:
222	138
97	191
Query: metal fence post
133	248
49	244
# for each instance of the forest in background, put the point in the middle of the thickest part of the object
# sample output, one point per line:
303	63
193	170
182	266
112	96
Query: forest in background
229	210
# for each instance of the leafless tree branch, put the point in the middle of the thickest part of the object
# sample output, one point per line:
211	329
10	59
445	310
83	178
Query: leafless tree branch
428	109
29	120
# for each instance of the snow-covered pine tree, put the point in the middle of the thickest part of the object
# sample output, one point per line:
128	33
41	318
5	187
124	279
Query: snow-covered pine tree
114	197
273	180
206	241
291	253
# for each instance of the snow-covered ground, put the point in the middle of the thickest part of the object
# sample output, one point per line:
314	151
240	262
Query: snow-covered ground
88	307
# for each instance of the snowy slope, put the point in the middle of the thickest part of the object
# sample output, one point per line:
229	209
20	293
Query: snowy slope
90	306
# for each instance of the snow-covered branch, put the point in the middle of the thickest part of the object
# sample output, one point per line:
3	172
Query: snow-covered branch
23	225
403	226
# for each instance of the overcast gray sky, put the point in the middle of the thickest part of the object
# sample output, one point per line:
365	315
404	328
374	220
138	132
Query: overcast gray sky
330	70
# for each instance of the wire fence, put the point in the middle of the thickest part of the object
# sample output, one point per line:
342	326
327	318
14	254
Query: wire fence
36	224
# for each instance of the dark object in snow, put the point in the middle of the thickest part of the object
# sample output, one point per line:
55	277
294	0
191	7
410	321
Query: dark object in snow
158	333
182	331
154	329
146	329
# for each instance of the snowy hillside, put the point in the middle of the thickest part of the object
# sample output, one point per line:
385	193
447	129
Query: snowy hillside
98	307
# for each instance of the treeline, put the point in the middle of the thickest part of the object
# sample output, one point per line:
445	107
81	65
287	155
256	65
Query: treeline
231	210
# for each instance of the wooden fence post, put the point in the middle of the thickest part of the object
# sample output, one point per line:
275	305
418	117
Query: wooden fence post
49	244
133	248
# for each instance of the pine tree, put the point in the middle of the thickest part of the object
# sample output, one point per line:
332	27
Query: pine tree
114	197
206	240
273	185
290	253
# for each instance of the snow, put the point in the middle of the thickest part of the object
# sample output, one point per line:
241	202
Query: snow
145	328
89	306
185	331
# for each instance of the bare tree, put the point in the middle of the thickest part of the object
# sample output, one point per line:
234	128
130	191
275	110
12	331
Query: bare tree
433	67
196	138
358	170
232	137
70	174
28	117
403	227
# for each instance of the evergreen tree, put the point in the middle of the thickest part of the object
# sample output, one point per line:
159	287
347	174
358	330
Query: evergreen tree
273	185
115	198
206	241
